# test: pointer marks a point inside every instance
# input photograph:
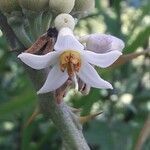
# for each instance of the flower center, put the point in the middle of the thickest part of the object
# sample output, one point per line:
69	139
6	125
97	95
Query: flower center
71	61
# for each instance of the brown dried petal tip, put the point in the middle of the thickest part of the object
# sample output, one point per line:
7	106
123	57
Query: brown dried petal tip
49	46
39	43
45	42
61	92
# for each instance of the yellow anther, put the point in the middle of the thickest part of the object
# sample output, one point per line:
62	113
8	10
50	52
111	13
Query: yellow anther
70	60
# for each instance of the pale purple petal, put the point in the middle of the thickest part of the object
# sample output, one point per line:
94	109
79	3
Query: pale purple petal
116	43
89	75
38	61
102	60
54	80
67	41
102	43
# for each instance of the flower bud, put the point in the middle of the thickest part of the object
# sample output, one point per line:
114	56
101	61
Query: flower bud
84	6
34	5
9	5
64	20
61	6
102	43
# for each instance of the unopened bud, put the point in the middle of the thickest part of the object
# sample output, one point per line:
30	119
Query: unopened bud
84	6
61	6
9	5
102	43
64	20
34	5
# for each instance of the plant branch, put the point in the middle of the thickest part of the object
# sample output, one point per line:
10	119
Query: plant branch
60	114
9	34
144	134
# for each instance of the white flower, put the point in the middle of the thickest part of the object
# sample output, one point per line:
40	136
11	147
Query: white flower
102	43
70	60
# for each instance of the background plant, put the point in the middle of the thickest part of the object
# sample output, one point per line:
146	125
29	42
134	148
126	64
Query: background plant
125	109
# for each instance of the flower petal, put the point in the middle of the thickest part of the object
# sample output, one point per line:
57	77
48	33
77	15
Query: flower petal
38	61
54	80
89	75
102	60
67	42
102	43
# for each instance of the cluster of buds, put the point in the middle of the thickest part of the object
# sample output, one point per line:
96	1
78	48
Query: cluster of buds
31	18
34	5
55	6
9	6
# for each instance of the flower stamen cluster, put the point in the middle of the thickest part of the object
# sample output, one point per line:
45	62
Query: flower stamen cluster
71	61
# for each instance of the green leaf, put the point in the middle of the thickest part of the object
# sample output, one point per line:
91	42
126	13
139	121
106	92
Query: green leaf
139	40
25	99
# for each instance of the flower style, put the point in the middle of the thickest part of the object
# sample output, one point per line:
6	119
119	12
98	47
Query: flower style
69	60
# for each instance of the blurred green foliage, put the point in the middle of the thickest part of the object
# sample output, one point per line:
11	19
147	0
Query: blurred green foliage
125	108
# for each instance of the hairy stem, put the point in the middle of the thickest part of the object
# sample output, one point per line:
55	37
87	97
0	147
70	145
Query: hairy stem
59	113
9	34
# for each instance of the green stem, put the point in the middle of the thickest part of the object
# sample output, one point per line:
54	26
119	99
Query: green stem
35	23
22	35
46	21
60	114
38	25
17	21
33	26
